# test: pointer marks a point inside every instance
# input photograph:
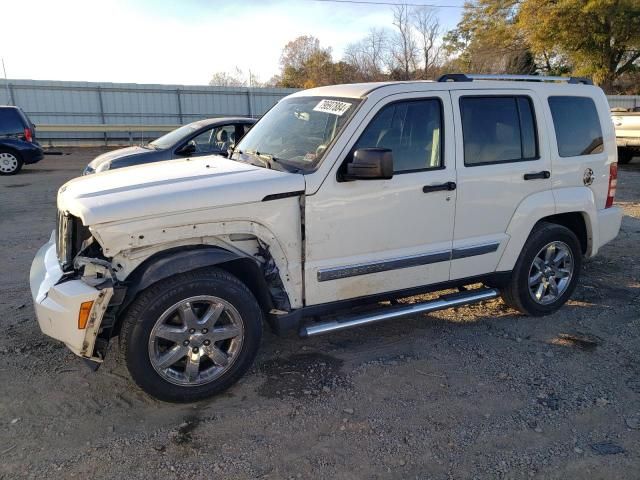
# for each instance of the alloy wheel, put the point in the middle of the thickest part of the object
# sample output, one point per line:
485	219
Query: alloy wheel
551	272
196	340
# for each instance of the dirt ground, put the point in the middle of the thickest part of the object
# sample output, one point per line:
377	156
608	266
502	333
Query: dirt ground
477	392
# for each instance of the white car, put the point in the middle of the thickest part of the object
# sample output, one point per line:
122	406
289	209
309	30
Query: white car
338	196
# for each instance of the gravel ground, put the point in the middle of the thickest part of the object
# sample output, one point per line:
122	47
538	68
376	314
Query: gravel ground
474	392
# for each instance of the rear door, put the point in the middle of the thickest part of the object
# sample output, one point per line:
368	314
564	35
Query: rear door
501	160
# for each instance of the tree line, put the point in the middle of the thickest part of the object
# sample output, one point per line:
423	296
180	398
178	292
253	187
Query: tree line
599	39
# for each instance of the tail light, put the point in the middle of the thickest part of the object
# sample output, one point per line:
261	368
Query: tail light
28	136
613	183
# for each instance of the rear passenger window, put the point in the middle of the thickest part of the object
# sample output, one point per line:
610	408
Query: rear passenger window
577	126
413	132
498	129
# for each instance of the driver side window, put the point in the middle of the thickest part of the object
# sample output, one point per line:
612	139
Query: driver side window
412	130
215	140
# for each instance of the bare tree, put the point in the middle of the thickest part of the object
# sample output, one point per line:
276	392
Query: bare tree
404	48
368	55
427	25
228	79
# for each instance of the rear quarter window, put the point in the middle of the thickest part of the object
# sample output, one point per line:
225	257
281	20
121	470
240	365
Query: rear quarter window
10	121
577	126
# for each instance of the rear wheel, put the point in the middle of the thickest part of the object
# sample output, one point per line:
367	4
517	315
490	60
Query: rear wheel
10	162
546	272
625	155
191	336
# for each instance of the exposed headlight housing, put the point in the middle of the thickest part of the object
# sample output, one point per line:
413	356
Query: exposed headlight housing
70	235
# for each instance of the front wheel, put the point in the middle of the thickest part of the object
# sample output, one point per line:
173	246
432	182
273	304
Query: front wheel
546	272
191	336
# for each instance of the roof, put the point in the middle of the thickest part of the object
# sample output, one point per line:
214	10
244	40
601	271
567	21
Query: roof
351	90
205	122
463	82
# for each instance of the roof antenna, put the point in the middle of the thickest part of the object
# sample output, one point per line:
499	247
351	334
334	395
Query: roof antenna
6	82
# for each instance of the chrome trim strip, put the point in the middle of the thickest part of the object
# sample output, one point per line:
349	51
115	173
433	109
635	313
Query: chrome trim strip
472	251
335	273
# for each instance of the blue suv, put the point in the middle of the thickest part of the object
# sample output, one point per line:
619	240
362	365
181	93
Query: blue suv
18	144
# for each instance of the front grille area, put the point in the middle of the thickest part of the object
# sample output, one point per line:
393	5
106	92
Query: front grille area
70	233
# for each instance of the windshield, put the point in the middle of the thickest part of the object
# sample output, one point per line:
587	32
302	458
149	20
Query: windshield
296	132
174	136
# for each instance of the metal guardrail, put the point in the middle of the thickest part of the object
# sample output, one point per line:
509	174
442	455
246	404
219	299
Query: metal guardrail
127	129
98	128
140	111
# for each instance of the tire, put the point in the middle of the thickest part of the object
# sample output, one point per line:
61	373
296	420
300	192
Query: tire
533	261
625	155
10	162
164	334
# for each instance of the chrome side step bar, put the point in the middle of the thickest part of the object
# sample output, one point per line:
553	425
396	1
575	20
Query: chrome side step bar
391	313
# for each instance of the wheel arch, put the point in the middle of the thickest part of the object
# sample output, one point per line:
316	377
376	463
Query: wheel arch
11	149
184	259
574	221
573	208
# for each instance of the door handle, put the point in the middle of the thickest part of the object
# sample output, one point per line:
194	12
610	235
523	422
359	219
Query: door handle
448	186
539	175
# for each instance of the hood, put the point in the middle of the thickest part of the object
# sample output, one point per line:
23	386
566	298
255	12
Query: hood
114	154
171	187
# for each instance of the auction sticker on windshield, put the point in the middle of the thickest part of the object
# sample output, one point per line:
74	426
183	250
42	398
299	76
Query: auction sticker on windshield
334	107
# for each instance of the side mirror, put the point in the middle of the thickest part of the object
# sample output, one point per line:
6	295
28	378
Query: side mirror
188	149
371	164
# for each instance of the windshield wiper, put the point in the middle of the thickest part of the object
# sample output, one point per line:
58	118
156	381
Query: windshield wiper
282	164
267	160
253	154
269	157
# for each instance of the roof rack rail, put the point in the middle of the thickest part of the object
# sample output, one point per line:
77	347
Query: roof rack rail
461	77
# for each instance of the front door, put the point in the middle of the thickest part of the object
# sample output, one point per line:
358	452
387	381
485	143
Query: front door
365	237
214	141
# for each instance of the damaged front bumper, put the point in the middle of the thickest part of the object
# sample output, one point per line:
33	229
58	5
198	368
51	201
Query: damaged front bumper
58	297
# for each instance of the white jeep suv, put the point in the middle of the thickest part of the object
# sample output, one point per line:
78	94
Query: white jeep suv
339	195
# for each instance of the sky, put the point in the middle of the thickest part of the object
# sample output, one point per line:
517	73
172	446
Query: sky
175	42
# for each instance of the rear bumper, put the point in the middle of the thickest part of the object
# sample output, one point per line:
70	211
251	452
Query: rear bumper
628	142
609	221
32	153
57	303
